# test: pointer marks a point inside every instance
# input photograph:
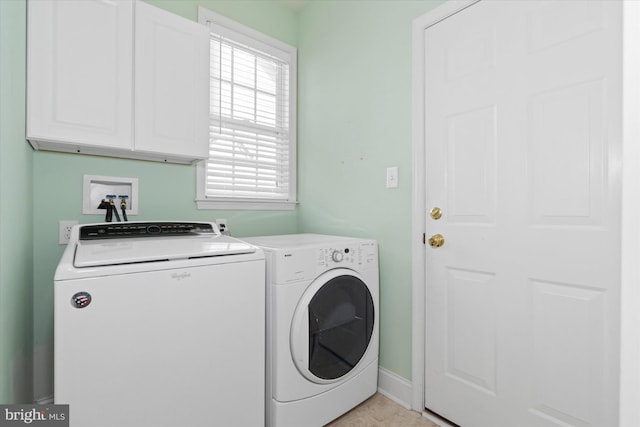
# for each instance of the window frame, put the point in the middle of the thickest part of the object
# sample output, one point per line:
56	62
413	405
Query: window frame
259	41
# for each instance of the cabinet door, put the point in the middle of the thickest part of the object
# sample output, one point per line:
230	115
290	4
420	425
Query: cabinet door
171	84
79	73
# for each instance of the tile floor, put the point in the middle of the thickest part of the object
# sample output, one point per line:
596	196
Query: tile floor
380	411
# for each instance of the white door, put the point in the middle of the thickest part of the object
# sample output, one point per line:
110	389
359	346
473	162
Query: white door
523	154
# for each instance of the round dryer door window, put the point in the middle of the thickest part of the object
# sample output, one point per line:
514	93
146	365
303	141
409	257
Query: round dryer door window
332	326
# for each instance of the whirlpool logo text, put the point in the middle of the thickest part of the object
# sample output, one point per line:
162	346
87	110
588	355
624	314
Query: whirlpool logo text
180	276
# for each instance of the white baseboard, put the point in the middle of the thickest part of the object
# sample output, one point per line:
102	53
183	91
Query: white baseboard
400	390
43	372
395	387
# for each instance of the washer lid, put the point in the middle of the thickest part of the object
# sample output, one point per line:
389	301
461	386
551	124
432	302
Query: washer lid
95	253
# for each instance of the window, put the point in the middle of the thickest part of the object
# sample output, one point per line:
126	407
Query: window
252	124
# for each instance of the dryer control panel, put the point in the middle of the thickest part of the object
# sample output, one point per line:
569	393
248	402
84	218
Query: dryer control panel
296	257
358	255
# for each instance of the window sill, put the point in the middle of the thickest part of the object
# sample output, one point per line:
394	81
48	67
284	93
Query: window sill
247	204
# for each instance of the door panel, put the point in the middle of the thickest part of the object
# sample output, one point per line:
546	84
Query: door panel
564	358
471	166
568	187
522	144
558	22
471	334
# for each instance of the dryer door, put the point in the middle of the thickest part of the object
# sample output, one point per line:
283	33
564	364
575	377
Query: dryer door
332	326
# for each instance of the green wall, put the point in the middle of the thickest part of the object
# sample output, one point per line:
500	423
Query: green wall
354	122
16	207
354	113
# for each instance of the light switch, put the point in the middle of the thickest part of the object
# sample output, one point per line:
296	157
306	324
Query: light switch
392	177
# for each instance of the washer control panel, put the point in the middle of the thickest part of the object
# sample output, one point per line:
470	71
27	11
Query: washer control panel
123	230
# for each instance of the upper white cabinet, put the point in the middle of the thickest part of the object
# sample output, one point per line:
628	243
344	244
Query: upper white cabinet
117	78
80	74
171	83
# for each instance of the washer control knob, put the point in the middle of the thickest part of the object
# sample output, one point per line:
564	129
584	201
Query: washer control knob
337	256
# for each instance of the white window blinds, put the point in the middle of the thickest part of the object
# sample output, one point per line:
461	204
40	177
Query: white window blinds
249	145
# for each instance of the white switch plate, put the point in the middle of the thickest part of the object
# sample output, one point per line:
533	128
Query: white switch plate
392	177
64	231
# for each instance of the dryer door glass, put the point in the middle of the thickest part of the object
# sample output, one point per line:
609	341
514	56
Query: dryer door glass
340	326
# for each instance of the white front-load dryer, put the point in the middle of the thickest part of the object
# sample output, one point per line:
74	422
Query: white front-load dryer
322	326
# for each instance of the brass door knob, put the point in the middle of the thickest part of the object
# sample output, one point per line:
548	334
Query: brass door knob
436	241
436	213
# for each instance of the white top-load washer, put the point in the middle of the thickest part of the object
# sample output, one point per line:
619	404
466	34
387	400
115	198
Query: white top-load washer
322	326
159	324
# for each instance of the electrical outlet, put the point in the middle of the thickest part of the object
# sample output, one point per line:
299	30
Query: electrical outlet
64	231
222	225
